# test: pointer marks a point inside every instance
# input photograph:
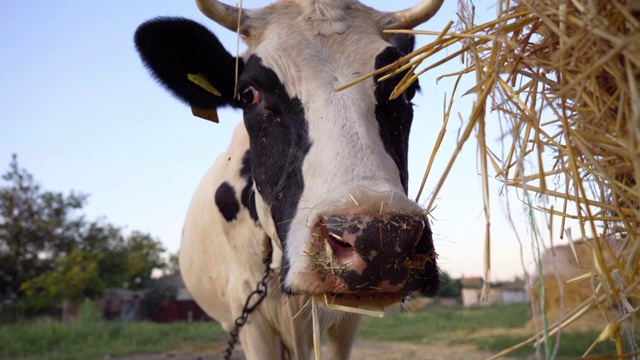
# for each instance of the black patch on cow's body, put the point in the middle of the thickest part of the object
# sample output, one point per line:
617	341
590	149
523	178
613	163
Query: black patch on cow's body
279	142
172	48
394	116
245	169
227	202
248	196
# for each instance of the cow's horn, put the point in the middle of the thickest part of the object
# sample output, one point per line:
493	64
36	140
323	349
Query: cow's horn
224	15
412	17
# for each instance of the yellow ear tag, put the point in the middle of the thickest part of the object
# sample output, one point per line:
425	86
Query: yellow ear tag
202	81
207	114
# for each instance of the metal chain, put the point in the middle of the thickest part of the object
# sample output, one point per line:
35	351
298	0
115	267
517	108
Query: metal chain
258	294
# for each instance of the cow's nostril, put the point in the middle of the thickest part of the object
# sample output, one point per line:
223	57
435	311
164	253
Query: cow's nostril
337	240
341	249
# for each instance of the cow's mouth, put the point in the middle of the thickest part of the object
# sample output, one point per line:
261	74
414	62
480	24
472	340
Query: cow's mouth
371	261
377	301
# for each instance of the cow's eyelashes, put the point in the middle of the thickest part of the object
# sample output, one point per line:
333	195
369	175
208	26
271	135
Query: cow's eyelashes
249	95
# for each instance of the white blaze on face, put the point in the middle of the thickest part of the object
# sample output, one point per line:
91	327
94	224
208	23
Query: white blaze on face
347	170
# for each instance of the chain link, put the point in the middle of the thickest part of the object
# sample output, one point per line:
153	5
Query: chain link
253	300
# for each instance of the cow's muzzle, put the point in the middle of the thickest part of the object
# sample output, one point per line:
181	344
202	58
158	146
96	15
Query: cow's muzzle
376	255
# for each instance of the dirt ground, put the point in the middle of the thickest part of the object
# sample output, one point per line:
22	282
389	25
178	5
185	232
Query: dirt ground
363	350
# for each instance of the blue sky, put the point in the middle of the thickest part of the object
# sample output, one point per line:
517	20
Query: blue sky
83	114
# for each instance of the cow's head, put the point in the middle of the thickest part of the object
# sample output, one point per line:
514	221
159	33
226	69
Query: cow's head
330	168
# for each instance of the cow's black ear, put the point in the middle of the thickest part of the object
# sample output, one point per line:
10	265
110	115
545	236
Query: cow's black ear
189	60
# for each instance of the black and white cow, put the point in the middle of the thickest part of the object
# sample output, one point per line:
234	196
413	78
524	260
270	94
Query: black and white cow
319	174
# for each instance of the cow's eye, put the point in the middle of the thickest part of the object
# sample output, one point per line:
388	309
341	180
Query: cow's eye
249	95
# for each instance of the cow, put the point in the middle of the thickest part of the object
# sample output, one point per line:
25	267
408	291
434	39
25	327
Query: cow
314	179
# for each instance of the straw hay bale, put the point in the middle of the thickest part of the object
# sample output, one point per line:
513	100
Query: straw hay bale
558	299
559	267
562	76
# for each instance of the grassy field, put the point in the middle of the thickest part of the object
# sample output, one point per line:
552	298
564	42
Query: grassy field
572	345
490	329
442	324
55	341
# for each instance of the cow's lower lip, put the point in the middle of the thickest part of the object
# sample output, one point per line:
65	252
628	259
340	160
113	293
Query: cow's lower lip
378	301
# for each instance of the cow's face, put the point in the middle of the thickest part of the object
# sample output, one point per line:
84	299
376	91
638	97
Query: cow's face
329	168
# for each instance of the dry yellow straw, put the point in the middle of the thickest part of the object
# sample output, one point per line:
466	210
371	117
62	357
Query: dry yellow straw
316	327
563	79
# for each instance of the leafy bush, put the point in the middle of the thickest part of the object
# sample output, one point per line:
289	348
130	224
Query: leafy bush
89	313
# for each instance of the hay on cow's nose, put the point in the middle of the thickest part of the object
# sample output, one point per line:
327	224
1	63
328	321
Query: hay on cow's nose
322	257
580	62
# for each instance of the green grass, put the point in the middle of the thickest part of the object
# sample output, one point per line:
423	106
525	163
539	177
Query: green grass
442	324
489	329
572	344
51	340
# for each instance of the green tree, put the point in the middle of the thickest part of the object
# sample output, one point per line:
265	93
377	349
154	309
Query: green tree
173	263
103	259
106	240
144	254
449	287
73	277
36	228
123	261
49	252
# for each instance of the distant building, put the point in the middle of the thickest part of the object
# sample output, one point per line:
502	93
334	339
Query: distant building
506	293
121	304
472	282
180	306
167	300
